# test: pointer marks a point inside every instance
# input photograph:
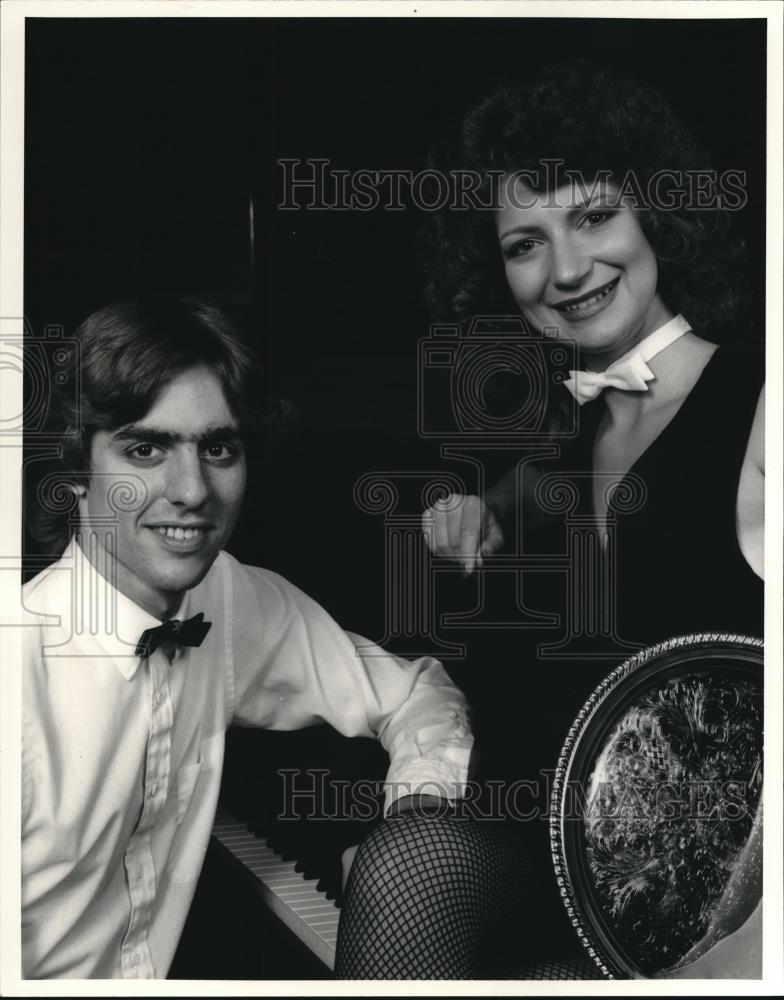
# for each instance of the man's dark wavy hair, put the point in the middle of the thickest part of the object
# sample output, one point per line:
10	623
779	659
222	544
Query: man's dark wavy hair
593	120
124	356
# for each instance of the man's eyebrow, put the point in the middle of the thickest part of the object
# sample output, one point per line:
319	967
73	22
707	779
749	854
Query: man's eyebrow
138	432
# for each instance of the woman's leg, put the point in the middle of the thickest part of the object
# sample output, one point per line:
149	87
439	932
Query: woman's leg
420	896
447	897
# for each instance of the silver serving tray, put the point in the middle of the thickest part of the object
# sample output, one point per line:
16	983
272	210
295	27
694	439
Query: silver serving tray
656	804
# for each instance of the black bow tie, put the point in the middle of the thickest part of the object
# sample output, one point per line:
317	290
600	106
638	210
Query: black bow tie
187	633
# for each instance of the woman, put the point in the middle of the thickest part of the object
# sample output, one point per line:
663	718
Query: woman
598	237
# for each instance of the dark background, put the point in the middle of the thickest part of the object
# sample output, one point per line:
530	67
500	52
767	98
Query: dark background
147	143
147	140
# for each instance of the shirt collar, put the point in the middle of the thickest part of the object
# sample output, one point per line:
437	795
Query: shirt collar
104	612
661	337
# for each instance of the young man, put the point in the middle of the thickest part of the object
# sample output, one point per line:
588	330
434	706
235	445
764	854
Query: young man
146	640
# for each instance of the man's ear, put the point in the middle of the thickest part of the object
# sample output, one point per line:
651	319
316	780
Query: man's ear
79	490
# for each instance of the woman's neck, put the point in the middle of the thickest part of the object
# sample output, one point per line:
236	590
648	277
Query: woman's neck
658	316
676	370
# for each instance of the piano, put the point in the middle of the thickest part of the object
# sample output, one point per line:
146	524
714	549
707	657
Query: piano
267	903
309	911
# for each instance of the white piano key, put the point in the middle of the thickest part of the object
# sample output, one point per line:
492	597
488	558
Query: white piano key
294	899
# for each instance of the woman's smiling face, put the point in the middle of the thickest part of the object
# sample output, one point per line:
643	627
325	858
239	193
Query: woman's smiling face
579	262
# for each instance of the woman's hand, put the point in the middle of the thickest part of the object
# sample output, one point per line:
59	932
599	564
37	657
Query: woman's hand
463	528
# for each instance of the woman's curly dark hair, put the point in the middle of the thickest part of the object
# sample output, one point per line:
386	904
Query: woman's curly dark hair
594	121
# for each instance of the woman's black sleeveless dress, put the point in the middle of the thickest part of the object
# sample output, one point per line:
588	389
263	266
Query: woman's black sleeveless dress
678	570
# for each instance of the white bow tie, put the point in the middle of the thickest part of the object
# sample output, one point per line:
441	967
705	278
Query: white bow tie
631	371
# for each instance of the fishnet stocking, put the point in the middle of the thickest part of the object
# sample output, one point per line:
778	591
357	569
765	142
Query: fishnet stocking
573	967
440	897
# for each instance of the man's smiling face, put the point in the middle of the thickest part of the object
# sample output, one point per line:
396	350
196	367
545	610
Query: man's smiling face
188	453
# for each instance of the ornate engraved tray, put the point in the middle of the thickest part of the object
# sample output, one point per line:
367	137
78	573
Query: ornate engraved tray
656	811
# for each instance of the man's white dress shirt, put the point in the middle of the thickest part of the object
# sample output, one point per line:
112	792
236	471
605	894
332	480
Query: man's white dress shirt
122	755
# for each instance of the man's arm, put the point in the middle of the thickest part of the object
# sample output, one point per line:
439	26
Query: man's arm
295	667
427	733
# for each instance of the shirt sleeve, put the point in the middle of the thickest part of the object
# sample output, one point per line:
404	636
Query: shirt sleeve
293	666
26	782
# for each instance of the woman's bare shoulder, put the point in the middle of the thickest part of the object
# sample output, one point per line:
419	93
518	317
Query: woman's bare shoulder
756	447
750	515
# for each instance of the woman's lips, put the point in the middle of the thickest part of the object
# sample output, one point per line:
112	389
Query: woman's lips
584	308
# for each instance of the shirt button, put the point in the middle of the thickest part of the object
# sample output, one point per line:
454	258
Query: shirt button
136	959
153	791
159	698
